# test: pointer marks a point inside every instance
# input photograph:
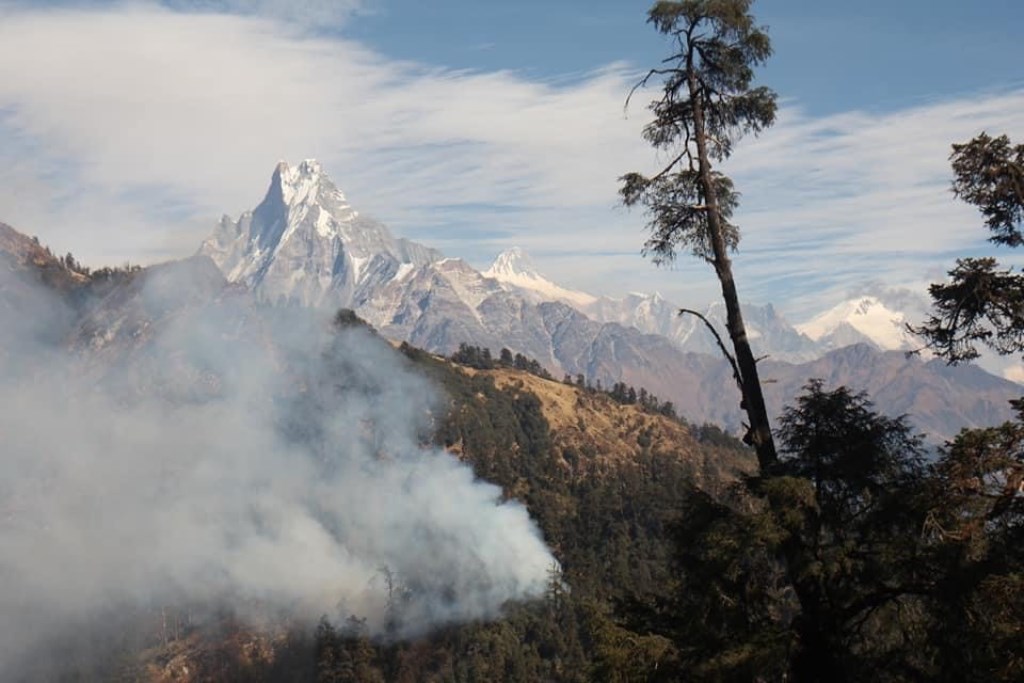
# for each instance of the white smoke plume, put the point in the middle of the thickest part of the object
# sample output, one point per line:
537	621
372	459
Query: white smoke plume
230	455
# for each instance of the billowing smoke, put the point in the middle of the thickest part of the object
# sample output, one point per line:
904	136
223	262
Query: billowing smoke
188	452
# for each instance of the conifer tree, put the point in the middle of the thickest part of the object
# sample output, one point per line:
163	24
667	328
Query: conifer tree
707	102
976	516
982	303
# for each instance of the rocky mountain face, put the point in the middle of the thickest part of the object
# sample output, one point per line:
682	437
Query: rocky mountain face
878	318
770	333
304	243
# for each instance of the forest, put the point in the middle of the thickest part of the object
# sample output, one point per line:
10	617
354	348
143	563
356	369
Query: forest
858	556
850	552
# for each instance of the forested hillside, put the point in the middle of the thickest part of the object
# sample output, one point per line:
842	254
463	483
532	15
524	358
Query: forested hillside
602	479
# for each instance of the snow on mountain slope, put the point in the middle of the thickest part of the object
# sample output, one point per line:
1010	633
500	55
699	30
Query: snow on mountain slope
650	313
514	267
879	317
768	331
653	314
305	243
867	315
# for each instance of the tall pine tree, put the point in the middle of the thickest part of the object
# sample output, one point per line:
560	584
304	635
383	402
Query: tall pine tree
707	102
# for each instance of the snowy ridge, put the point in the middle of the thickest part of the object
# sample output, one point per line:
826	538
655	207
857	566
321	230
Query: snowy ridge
305	243
306	183
868	316
653	314
514	267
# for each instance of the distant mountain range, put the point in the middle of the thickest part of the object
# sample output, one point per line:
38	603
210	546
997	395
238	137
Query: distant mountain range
867	319
305	245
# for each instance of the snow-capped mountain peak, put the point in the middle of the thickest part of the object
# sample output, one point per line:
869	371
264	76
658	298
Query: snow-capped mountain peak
867	315
512	263
514	267
304	242
307	184
305	189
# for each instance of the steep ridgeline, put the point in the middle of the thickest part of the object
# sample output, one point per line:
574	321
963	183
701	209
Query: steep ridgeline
305	244
877	319
515	268
868	319
770	334
873	320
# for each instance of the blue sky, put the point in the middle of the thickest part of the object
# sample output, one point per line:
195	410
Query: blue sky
831	56
128	128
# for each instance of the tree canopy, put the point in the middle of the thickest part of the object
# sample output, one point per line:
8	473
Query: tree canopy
982	304
708	101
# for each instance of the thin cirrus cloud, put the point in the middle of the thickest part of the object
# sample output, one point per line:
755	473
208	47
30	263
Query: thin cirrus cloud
863	196
201	106
128	129
308	14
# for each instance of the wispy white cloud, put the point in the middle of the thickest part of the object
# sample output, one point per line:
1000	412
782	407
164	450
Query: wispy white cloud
128	129
202	106
859	195
318	15
321	14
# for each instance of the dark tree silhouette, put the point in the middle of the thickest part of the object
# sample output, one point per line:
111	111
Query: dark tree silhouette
981	303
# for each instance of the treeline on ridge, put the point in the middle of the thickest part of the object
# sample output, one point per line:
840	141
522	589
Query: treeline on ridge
481	358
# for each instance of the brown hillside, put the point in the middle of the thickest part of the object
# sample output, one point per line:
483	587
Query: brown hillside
23	252
610	435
